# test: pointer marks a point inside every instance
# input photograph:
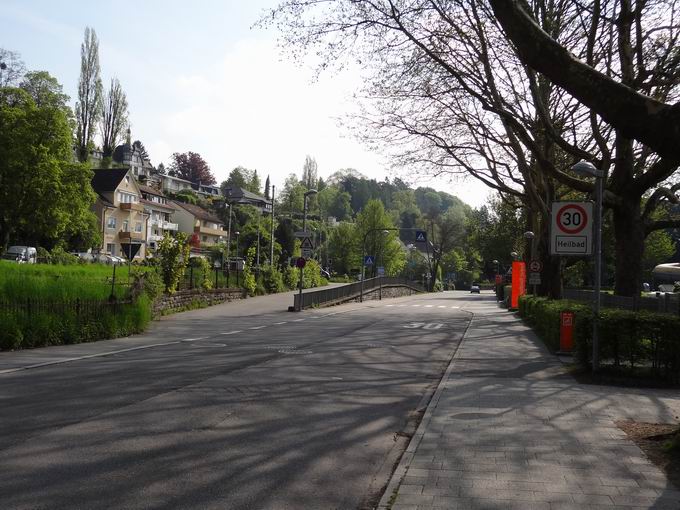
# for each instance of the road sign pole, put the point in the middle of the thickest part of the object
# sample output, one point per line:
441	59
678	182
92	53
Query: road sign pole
599	182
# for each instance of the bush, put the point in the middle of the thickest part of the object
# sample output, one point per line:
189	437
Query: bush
249	282
628	340
61	257
291	276
272	279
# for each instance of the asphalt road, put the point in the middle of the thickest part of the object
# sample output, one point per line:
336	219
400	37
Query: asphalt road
239	406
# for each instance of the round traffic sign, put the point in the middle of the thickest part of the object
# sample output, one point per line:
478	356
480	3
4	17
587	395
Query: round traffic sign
300	262
572	219
535	266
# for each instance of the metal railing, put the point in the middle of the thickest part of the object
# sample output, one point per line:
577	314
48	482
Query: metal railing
351	291
661	303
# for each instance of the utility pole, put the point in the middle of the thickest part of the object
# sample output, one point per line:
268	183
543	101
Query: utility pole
271	240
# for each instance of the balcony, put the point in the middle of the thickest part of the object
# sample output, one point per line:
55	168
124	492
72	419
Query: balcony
130	237
154	238
164	225
212	231
132	206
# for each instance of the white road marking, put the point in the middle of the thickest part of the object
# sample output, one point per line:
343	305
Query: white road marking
415	305
454	307
279	323
257	327
232	332
441	306
429	306
389	305
297	320
194	339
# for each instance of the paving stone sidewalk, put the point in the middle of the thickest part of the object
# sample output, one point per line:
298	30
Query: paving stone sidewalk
508	429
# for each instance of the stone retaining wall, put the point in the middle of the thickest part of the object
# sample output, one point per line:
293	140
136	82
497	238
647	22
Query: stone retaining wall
194	298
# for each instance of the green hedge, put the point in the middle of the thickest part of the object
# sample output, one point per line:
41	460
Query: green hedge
629	340
39	324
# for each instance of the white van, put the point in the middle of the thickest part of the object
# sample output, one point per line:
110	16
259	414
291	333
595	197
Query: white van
21	254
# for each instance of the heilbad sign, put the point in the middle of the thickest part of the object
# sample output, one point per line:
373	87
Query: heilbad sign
571	228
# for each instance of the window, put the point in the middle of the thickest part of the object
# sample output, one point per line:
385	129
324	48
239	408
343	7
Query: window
111	223
126	198
138	227
127	179
205	239
125	225
111	248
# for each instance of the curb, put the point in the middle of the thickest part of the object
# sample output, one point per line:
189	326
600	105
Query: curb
405	461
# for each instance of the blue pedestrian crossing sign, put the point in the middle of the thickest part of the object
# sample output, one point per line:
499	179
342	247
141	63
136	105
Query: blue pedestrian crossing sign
421	236
368	260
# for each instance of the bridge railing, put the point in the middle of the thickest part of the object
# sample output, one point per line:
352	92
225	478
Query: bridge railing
351	291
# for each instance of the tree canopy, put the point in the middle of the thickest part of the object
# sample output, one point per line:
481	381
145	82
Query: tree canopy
192	167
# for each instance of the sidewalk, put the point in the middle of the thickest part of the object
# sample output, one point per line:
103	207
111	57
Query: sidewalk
507	429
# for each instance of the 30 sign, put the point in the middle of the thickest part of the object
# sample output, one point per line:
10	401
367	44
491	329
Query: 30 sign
571	228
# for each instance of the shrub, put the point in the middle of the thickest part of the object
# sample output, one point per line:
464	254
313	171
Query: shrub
249	283
291	276
173	253
627	339
61	257
272	279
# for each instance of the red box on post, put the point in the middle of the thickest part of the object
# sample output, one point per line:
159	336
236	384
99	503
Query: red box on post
566	331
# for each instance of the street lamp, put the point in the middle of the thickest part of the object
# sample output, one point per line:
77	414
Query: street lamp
304	229
529	236
587	169
304	209
237	233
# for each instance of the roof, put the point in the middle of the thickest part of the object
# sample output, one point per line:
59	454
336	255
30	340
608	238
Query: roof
150	190
167	176
120	151
108	179
105	200
237	193
199	212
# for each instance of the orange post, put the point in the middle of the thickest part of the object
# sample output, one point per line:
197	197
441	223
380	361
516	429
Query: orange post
519	283
566	331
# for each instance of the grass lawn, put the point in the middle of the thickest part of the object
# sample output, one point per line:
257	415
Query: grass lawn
59	283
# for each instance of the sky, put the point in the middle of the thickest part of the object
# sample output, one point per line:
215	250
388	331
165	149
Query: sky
199	78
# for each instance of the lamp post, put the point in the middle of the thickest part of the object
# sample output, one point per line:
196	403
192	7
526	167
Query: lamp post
271	240
529	236
587	169
304	229
237	233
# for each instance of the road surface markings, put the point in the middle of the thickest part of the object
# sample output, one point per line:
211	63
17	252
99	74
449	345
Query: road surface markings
454	307
257	327
194	339
415	305
389	305
429	306
279	323
297	320
232	332
441	306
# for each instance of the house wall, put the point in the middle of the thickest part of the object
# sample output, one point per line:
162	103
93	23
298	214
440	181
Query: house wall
111	241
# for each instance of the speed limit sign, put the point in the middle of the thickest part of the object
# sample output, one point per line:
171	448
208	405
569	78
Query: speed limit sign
571	228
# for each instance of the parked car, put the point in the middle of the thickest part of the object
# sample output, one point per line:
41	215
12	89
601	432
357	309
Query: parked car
474	288
21	254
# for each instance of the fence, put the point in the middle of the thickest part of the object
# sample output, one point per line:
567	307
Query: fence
336	295
218	278
661	303
83	309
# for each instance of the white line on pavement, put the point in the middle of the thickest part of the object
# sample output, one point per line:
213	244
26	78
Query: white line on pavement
429	306
297	320
415	305
232	332
455	307
194	339
441	306
257	327
279	323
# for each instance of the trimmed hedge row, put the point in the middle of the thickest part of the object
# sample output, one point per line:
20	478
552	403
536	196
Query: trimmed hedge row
628	340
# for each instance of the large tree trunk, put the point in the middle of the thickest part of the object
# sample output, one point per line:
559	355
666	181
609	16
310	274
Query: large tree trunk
630	244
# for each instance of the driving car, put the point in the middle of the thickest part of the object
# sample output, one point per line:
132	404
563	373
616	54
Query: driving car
474	288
